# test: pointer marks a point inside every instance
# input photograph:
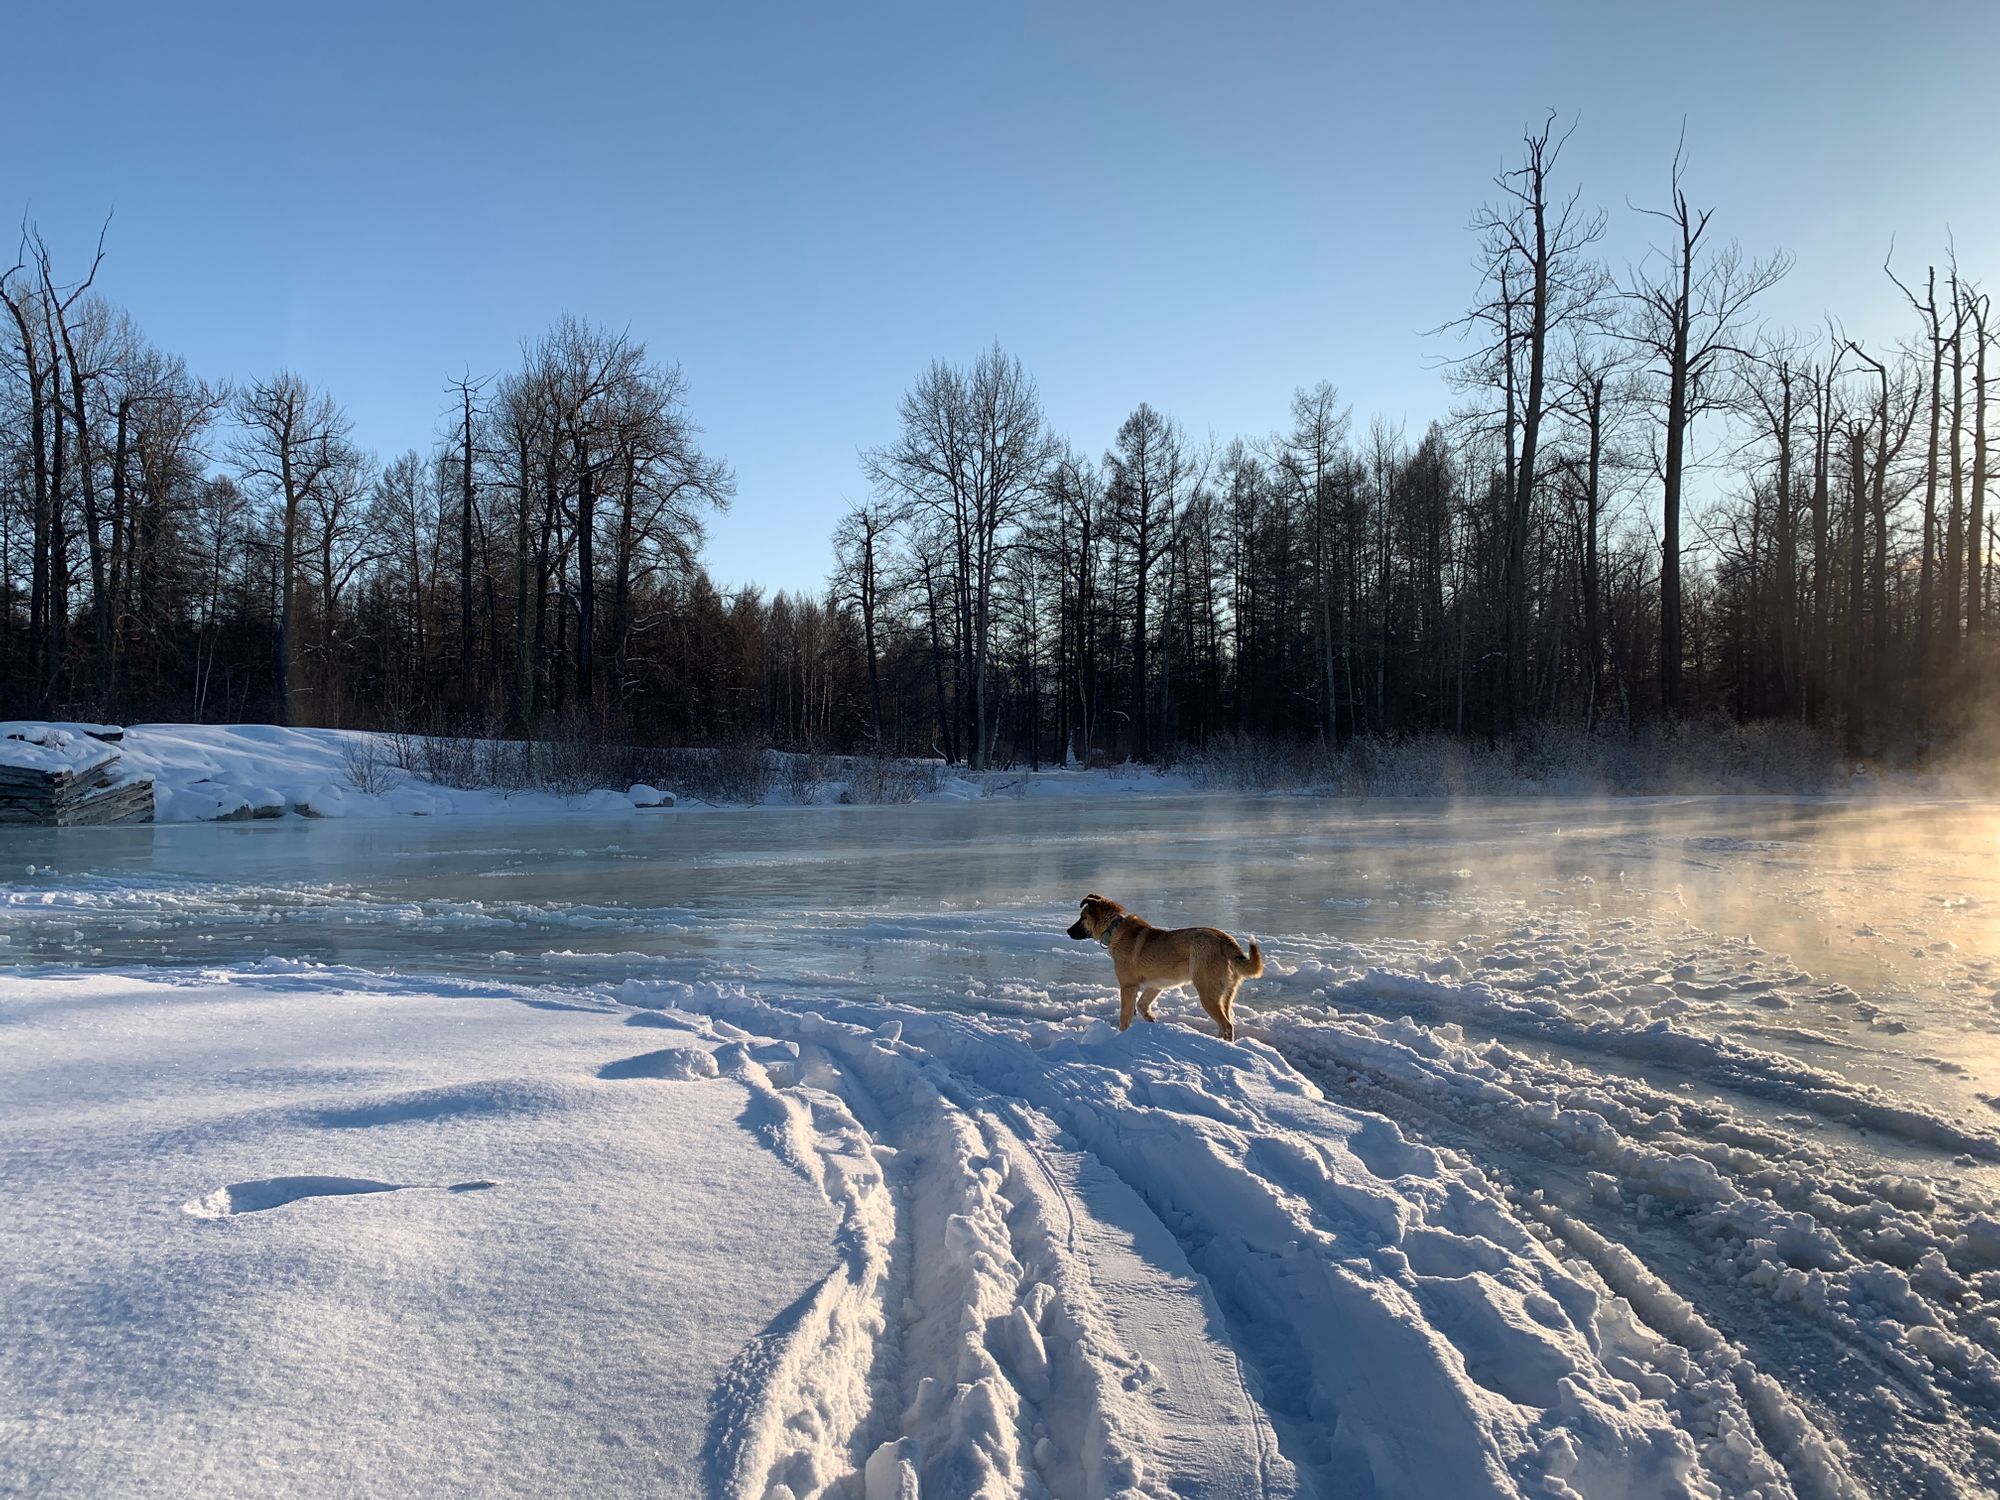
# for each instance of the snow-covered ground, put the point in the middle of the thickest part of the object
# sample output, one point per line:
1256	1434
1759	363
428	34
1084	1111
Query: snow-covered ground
213	772
1610	1149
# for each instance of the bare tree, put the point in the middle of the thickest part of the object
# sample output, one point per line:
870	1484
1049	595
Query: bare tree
973	452
162	418
1592	398
1978	307
860	545
467	390
1311	457
1927	309
72	319
294	441
40	365
1689	304
1534	258
1149	470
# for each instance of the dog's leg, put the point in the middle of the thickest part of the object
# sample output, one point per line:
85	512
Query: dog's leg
1128	995
1146	999
1229	1013
1214	1000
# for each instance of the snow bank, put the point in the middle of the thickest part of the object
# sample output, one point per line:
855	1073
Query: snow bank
215	772
222	772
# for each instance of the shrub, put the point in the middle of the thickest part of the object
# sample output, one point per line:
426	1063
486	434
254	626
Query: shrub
806	774
877	779
734	772
370	766
451	760
1248	763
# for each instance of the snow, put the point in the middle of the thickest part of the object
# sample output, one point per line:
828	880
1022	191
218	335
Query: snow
1571	1150
51	749
226	772
269	1234
1007	1259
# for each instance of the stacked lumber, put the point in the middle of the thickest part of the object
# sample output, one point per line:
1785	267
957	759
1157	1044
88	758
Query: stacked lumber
59	778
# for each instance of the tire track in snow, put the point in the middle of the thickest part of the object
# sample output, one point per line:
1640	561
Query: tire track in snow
790	1412
966	1294
1305	1256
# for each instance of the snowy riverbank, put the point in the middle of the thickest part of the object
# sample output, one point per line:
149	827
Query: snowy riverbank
220	772
210	772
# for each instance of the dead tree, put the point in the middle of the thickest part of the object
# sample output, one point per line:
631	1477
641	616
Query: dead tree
1533	252
1688	313
1927	310
466	389
293	438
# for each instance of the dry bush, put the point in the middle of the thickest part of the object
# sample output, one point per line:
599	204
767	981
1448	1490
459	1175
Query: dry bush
369	765
451	760
805	775
1251	763
734	772
509	765
878	779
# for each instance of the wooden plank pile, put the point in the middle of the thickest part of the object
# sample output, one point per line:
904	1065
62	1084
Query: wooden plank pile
68	778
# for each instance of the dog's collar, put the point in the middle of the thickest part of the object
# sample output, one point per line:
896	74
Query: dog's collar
1104	937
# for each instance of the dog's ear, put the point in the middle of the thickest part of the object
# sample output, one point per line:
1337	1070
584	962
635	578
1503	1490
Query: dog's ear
1093	896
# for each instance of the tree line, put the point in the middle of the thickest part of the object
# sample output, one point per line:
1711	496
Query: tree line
1644	504
1538	555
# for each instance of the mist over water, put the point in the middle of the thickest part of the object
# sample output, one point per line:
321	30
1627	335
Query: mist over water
1890	907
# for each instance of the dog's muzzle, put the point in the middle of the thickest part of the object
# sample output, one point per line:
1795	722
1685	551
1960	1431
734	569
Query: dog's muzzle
1080	932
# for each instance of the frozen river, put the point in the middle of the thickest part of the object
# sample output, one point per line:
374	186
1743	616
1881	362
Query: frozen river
1861	934
1741	1056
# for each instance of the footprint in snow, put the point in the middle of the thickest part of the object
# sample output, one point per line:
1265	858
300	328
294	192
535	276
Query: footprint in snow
668	1062
265	1193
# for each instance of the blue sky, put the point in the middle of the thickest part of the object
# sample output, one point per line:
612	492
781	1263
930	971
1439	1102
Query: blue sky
1197	206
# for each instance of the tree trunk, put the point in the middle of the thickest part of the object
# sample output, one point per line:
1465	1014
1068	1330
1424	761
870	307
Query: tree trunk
1954	541
1670	544
1974	597
586	582
1857	582
465	493
287	590
523	664
1927	568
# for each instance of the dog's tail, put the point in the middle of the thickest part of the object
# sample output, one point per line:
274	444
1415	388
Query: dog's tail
1250	964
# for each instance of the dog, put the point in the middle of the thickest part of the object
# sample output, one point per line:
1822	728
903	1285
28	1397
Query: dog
1149	959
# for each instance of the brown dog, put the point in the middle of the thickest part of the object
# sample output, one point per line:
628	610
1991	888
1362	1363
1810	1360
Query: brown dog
1148	959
